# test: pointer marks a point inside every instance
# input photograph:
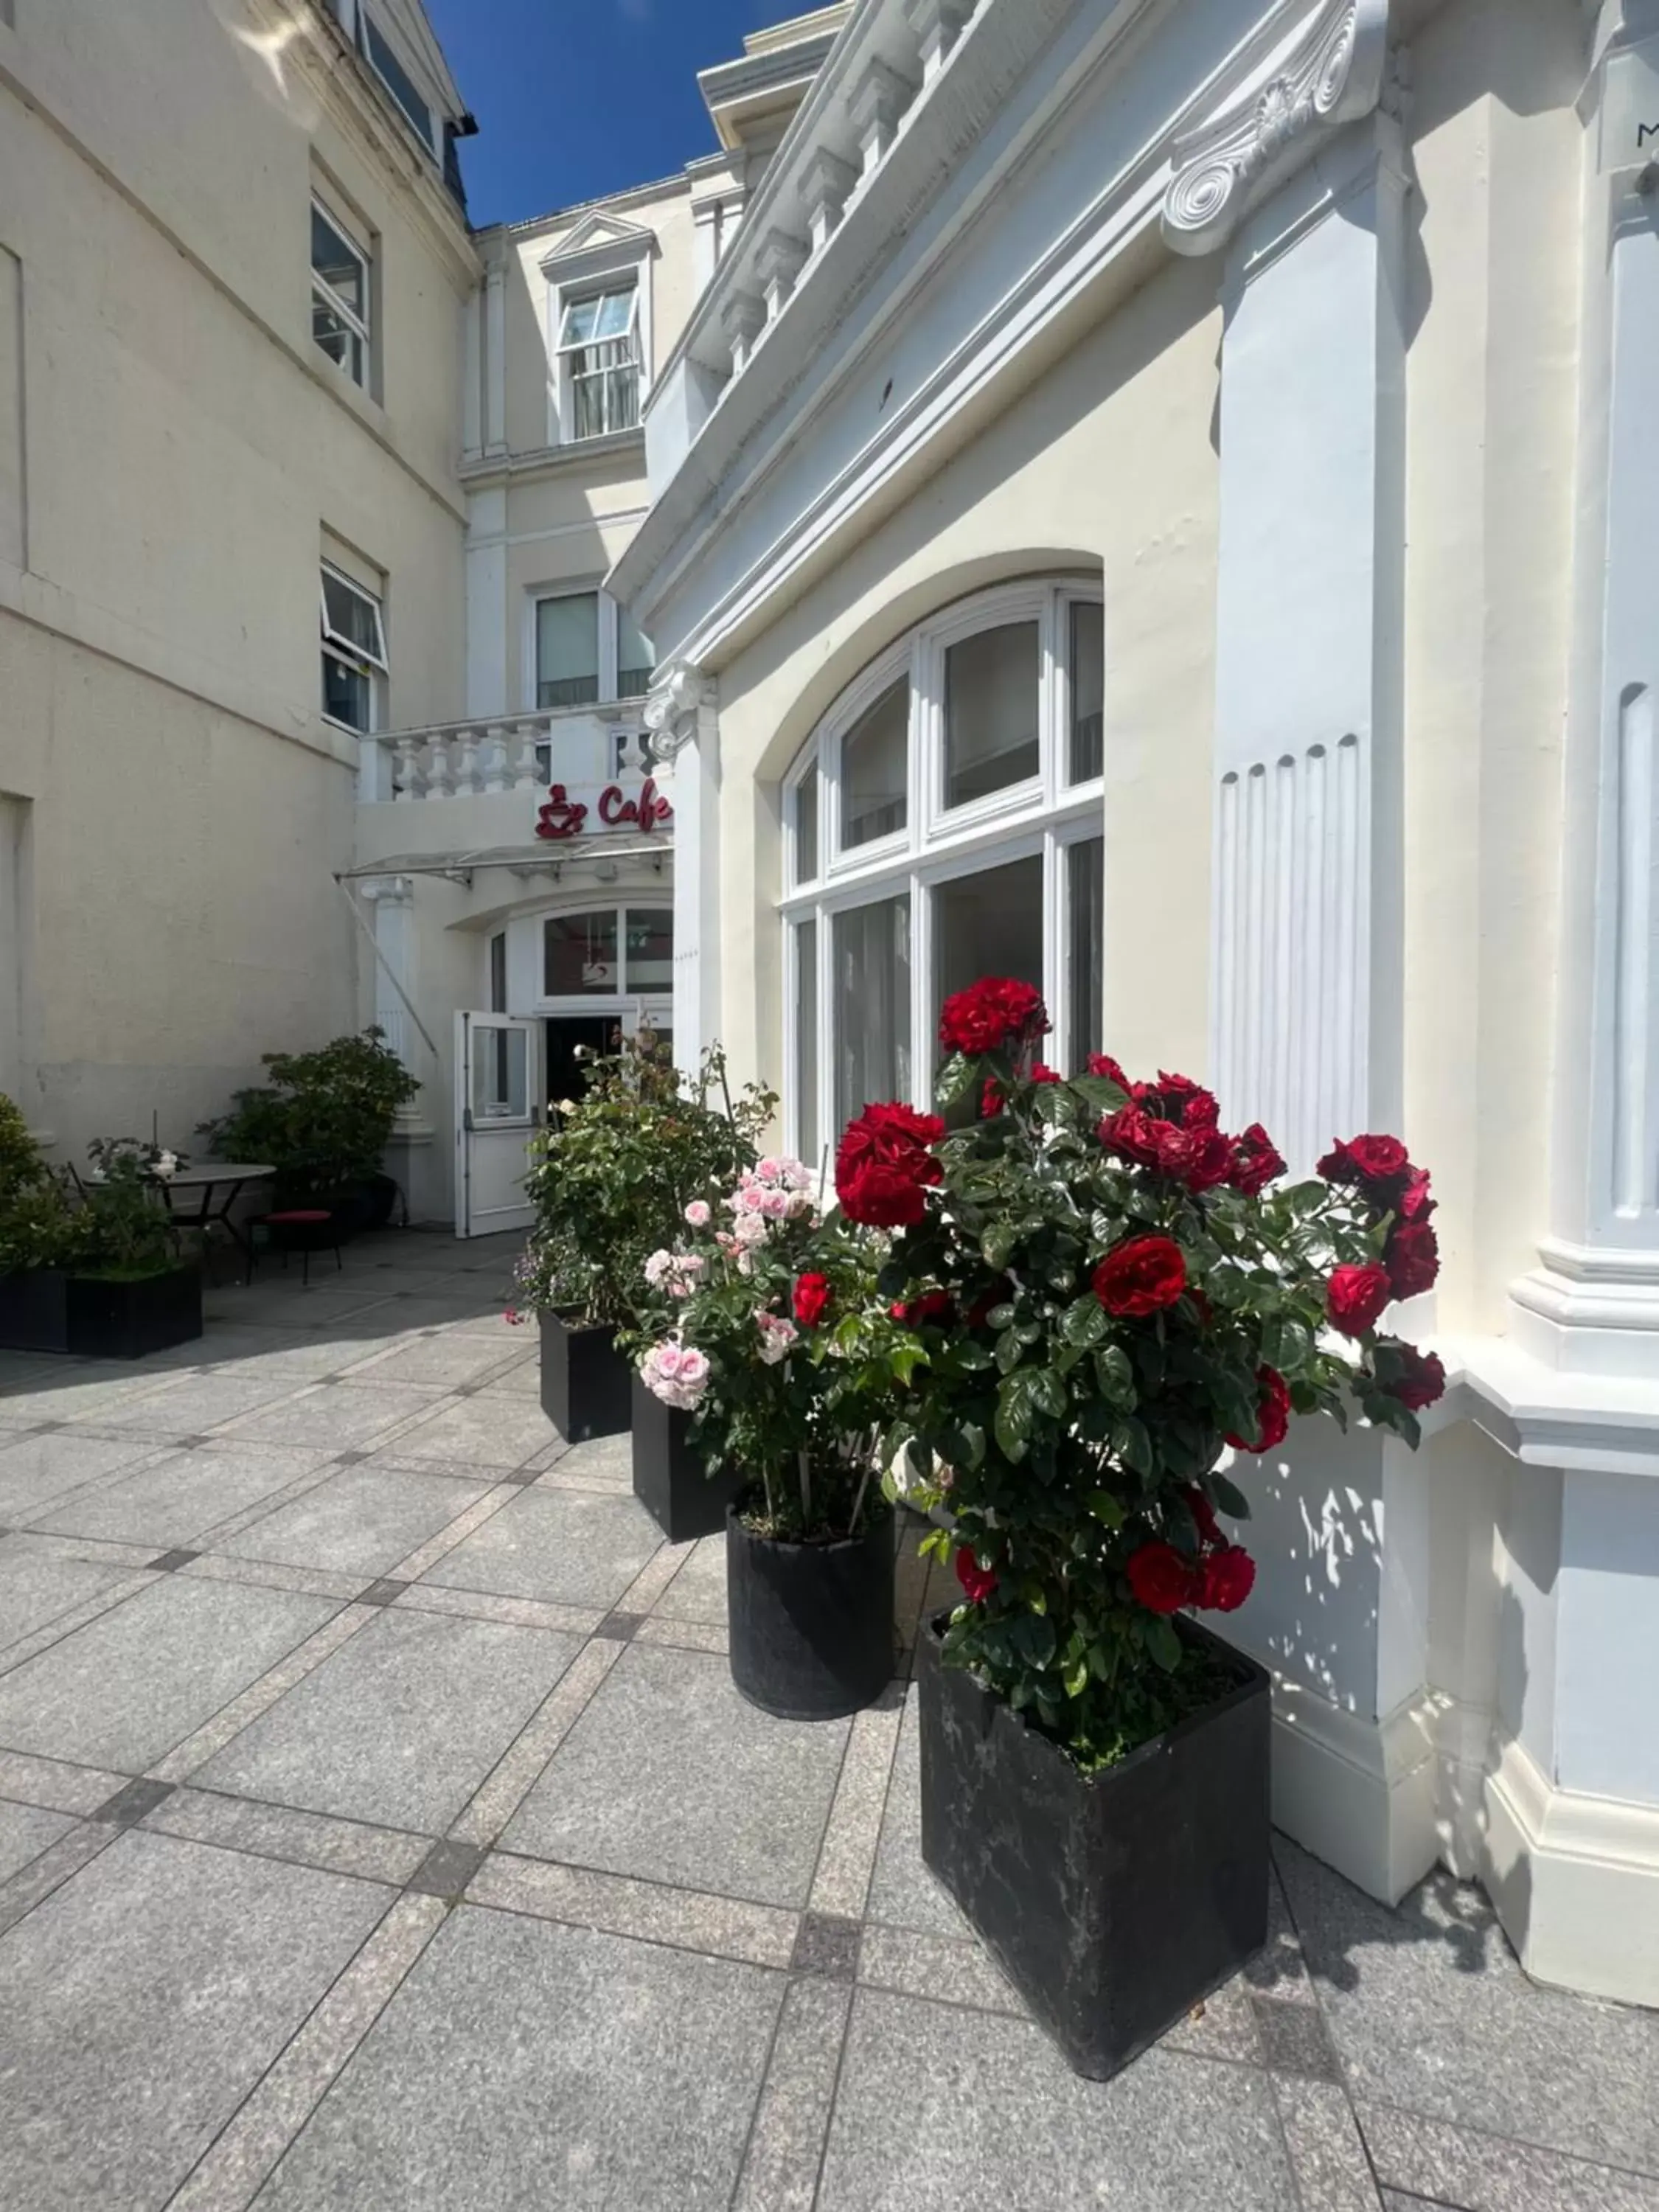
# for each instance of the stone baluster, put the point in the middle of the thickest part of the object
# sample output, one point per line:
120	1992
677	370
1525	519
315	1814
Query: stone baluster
494	758
406	774
527	777
466	771
440	773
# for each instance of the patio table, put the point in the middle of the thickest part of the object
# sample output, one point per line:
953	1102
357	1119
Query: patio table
208	1176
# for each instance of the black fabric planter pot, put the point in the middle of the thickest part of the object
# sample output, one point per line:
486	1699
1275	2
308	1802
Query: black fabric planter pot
669	1479
34	1310
586	1381
124	1319
812	1624
1115	1902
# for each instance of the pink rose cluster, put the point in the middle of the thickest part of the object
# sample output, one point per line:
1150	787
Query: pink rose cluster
676	1373
773	1191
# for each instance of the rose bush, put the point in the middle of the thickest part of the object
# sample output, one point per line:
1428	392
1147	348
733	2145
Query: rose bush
1106	1292
763	1323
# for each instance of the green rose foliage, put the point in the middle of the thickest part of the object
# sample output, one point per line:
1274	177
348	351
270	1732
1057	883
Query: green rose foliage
1064	1437
612	1175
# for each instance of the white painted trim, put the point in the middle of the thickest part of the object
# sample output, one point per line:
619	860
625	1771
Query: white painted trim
1576	1881
1359	1793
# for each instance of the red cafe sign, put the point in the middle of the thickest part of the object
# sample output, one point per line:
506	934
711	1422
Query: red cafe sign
563	817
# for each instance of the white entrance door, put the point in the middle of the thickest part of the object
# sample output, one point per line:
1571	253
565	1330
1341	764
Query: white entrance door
498	1110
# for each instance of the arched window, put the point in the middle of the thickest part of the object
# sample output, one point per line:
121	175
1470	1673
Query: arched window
945	822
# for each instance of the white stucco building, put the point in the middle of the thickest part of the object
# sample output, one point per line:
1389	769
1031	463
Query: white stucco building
1152	495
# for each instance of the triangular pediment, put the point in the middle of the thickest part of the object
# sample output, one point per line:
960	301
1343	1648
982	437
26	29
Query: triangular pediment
598	235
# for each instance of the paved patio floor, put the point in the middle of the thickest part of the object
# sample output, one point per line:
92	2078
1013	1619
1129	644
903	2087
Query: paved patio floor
378	1828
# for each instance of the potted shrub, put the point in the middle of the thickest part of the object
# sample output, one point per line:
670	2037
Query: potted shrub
128	1290
34	1242
767	1333
323	1123
610	1180
1107	1294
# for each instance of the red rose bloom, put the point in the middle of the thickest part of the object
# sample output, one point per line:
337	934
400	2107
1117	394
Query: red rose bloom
1225	1579
1132	1135
1414	1203
1161	1579
977	1582
1142	1276
1102	1063
885	1164
933	1306
1412	1257
990	1098
1365	1160
994	1011
1274	1413
1177	1098
811	1296
1255	1161
1043	1073
1416	1378
1355	1297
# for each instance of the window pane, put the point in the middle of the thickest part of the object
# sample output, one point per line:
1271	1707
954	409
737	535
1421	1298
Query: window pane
338	264
875	761
1085	941
579	955
348	694
634	659
807	1042
352	616
991	691
1088	748
989	924
500	1075
651	948
616	314
337	338
498	973
567	650
397	79
806	827
872	1009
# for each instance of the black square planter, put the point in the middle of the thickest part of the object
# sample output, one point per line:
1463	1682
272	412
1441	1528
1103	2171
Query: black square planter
1115	1902
586	1383
123	1318
34	1310
670	1478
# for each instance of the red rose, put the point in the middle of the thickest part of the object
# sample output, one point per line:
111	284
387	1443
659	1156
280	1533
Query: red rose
1365	1160
996	1011
1102	1063
812	1294
1412	1256
990	1099
1132	1135
1255	1161
1272	1415
1177	1098
1416	1378
933	1306
884	1165
1161	1579
977	1582
1142	1276
1043	1073
1414	1203
1209	1158
1225	1579
1203	1518
1355	1297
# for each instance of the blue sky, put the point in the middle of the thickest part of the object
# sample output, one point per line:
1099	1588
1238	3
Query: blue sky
577	98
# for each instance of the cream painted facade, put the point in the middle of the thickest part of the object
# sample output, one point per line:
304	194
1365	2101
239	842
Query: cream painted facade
1313	340
176	455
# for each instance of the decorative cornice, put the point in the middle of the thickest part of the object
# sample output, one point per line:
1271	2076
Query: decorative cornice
1328	72
671	707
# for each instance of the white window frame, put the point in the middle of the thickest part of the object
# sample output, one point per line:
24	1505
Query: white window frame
337	646
610	677
1041	815
568	350
622	1000
581	267
353	16
361	323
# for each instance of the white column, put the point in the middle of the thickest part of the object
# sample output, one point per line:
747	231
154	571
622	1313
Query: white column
391	901
472	373
683	723
495	362
490	683
1593	1307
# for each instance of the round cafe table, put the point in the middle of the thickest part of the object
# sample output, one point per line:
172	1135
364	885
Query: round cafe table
216	1186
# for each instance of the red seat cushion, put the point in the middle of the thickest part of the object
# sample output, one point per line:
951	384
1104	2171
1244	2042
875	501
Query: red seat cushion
300	1214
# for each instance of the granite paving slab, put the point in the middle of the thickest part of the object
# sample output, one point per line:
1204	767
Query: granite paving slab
670	1775
573	1547
902	1891
499	1432
36	1589
25	1832
145	1998
698	1590
939	2107
121	1691
336	1417
361	1521
172	1498
401	1725
527	2064
36	1470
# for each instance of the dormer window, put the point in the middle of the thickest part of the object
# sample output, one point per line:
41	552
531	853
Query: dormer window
599	362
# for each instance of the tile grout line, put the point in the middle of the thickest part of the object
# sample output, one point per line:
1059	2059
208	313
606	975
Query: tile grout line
761	2087
16	1902
436	1549
476	1822
1647	2173
77	1617
260	1695
1341	2082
